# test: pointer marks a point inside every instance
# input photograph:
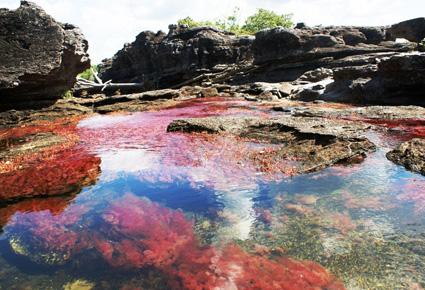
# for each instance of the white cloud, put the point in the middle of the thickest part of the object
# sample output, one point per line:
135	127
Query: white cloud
108	24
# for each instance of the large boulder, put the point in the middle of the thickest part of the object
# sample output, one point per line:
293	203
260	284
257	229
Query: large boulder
394	80
412	30
410	154
294	45
162	60
39	57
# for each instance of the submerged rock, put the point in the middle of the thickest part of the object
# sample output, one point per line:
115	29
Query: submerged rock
410	154
39	57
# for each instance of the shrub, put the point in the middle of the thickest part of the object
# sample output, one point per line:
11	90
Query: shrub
262	19
266	19
88	73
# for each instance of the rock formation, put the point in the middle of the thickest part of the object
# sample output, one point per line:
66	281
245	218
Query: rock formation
412	30
162	60
315	143
394	79
339	63
39	57
410	154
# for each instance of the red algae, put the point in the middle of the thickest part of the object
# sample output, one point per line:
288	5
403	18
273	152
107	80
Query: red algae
55	169
62	126
410	128
56	174
352	201
137	233
55	205
233	268
413	190
49	238
164	239
154	235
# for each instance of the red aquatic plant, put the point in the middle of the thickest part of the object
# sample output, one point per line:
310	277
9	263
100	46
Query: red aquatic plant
352	201
55	205
413	190
141	233
233	268
49	238
247	271
62	172
410	128
60	126
57	167
137	233
148	234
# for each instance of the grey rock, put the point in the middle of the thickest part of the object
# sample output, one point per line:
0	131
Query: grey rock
161	61
39	57
316	75
410	154
316	143
354	38
412	30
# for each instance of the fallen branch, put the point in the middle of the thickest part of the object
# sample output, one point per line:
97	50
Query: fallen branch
99	87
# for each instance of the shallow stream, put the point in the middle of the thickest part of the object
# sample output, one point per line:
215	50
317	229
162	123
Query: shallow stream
165	210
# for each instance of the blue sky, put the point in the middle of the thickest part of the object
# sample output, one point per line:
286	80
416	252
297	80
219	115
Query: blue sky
108	24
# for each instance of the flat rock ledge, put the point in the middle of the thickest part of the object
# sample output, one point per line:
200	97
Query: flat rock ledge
315	143
410	154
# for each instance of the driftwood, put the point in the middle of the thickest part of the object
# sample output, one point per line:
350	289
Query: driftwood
98	86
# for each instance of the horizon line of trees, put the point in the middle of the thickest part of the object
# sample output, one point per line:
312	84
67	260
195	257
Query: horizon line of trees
262	19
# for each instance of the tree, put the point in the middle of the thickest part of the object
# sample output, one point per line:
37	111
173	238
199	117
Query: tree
262	19
266	19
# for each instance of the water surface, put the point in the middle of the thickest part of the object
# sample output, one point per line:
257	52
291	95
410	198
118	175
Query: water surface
190	211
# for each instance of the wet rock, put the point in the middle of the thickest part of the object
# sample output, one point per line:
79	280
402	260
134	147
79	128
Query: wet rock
410	154
398	115
412	30
12	147
315	143
39	57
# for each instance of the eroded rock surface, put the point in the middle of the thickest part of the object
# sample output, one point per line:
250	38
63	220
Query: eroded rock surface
412	30
162	60
410	154
339	63
39	57
314	143
397	80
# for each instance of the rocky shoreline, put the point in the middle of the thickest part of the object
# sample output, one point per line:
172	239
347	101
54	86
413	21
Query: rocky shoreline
310	81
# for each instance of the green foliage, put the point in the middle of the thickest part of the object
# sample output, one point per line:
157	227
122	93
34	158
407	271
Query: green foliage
66	95
88	74
262	19
266	19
